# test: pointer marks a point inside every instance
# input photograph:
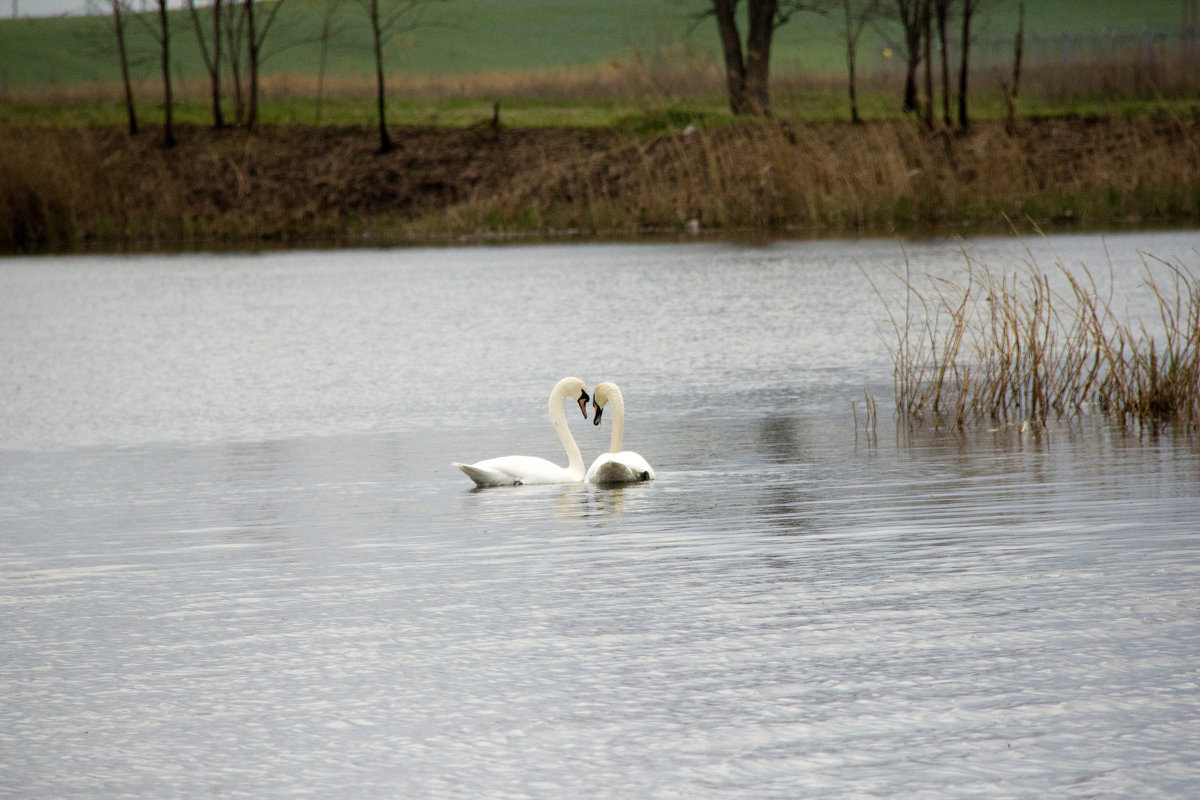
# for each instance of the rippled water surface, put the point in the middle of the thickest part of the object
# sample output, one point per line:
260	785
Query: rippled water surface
235	560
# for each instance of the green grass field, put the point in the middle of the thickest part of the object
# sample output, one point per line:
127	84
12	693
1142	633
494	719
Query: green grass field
481	36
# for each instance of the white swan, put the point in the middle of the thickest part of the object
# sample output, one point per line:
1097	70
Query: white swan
517	470
617	465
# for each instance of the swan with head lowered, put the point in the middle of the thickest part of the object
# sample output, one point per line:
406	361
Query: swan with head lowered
518	470
617	465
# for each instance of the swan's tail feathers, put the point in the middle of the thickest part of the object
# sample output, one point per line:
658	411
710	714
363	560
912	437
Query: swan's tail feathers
486	477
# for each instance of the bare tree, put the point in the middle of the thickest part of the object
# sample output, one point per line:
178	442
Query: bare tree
747	70
388	19
118	8
1190	23
164	41
969	7
255	36
927	41
252	62
910	14
212	60
378	27
857	14
134	49
234	29
941	10
328	31
1011	92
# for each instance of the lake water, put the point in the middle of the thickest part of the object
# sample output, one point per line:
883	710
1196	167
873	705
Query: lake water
235	560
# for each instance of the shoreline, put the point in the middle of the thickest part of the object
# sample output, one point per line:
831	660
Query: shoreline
100	190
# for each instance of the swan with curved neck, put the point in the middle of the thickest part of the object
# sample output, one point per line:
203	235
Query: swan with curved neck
617	465
517	470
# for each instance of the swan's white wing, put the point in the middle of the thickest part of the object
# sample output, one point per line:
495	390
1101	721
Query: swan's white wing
623	467
515	470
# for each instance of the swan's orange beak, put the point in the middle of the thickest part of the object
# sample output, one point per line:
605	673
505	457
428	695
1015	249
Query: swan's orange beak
583	401
599	412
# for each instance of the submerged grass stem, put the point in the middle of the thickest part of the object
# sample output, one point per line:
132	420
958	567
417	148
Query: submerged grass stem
1011	348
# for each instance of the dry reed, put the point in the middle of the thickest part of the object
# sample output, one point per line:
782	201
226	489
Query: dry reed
62	186
1018	348
878	177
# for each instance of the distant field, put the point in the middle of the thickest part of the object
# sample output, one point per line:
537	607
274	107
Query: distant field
482	36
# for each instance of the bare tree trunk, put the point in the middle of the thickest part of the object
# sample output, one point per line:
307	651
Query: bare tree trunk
943	15
758	54
234	31
168	98
910	21
1015	90
857	16
731	47
851	52
218	115
212	62
385	142
255	36
326	33
122	53
252	57
747	73
927	37
968	9
1191	19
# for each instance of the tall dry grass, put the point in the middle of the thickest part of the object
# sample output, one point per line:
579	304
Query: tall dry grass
776	176
62	186
1026	346
54	186
752	176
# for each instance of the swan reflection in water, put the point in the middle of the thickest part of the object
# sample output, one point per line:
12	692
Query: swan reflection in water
574	501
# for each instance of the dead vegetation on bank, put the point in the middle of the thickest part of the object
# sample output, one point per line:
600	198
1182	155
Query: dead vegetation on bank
881	177
101	188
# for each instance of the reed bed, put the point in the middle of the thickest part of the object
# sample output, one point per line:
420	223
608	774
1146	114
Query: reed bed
54	186
880	177
1030	345
60	187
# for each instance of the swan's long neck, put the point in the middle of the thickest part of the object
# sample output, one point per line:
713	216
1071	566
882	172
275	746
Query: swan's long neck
616	407
558	419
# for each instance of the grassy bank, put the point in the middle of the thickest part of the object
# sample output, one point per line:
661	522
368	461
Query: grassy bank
99	188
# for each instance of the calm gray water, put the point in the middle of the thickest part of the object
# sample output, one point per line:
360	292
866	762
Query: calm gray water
235	560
